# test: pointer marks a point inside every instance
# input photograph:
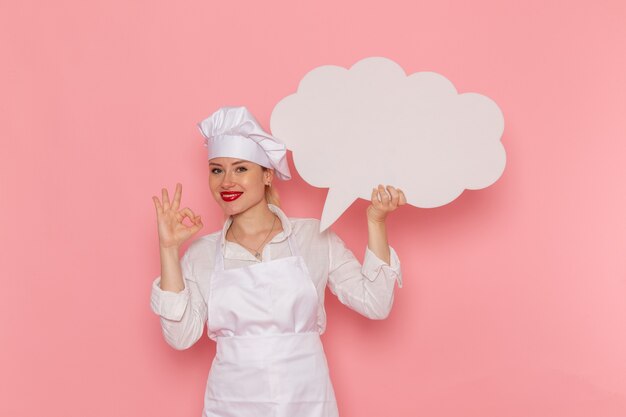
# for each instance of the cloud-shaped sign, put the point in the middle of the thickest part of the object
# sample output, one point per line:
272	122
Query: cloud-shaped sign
352	129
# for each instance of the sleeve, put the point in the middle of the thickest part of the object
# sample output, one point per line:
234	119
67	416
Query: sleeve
367	289
182	314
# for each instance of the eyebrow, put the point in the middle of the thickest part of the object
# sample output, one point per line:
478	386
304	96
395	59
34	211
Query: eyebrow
234	163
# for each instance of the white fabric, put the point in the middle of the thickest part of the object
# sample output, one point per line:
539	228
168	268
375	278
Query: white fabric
269	359
238	147
367	289
234	132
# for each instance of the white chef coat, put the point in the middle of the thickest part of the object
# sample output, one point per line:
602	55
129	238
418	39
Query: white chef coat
367	289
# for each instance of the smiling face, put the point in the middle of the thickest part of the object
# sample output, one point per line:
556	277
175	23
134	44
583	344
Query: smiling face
237	184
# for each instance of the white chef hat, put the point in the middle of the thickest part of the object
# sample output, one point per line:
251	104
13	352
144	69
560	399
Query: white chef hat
234	132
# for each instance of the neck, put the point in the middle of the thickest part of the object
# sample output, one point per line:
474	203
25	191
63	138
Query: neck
256	220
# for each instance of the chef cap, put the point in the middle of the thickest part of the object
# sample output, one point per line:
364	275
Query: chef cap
234	132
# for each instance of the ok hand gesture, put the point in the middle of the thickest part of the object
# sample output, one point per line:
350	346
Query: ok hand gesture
172	231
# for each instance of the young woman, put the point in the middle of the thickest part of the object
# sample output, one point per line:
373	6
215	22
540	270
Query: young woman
258	283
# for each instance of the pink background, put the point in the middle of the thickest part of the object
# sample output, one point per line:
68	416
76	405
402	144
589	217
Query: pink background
515	296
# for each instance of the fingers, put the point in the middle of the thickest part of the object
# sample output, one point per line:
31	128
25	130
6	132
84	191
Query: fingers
388	197
197	222
165	198
402	200
186	212
384	196
157	205
375	198
395	196
379	194
177	196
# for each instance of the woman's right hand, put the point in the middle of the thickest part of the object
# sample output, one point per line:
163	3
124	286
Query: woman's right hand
172	231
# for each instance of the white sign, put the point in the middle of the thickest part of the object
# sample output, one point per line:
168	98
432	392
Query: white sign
352	129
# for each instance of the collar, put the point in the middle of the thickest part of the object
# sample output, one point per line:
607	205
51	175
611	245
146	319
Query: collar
284	220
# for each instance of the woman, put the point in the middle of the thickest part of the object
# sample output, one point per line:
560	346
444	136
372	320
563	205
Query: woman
259	283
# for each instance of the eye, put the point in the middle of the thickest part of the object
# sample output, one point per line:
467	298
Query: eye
241	169
216	171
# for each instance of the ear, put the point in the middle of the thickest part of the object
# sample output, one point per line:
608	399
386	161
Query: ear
269	175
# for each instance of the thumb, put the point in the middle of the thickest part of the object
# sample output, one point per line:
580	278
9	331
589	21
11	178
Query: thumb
402	198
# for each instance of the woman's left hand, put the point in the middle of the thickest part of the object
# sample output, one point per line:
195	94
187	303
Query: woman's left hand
384	201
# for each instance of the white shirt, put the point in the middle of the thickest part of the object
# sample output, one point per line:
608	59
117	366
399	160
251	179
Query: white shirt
367	289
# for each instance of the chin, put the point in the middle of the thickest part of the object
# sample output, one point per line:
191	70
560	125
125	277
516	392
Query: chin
235	207
229	210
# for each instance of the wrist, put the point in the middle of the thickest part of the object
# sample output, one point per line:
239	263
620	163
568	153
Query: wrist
374	218
169	249
376	223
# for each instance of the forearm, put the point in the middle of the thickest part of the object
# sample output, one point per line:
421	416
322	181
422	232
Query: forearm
377	239
171	273
183	313
366	288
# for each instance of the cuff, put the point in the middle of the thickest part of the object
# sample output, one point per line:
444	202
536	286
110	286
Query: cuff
168	304
372	266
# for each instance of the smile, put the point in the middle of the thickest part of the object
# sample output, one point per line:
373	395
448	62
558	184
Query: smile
230	195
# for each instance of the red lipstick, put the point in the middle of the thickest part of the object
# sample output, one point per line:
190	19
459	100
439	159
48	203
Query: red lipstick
230	195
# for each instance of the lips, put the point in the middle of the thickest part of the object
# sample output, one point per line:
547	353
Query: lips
230	195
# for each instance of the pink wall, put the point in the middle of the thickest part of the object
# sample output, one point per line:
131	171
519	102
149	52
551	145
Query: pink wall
515	296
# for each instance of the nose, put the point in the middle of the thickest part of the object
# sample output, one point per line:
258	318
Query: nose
228	182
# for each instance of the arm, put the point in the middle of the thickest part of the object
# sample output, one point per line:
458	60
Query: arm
383	203
377	239
367	289
182	313
175	295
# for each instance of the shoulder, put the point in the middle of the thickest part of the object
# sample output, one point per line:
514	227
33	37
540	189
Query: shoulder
307	231
202	246
305	225
198	259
